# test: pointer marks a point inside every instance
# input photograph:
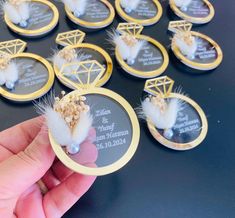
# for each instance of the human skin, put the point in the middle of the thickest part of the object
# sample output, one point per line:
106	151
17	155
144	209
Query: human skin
26	157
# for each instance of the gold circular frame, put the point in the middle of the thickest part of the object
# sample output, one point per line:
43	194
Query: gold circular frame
99	171
146	22
182	146
38	93
93	25
38	32
145	74
196	65
196	20
104	79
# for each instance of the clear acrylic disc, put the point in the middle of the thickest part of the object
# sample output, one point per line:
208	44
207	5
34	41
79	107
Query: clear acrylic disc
36	77
190	129
151	61
44	17
117	133
199	11
207	57
98	14
89	52
148	12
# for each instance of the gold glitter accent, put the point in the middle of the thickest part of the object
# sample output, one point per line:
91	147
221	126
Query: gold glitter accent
130	40
160	102
186	36
4	61
69	54
71	108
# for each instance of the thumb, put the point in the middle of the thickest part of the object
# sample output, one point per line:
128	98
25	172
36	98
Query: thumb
24	169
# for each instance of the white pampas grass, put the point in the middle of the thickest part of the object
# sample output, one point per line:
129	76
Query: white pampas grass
59	129
77	7
9	75
187	44
128	51
183	4
129	5
162	119
18	14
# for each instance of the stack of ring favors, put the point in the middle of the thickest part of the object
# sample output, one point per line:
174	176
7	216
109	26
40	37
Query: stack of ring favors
92	14
194	11
174	119
137	54
23	76
144	12
30	18
70	118
194	49
75	51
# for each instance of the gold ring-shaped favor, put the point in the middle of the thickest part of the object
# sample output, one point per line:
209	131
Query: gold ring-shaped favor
182	146
99	171
196	65
196	20
93	25
145	74
38	32
102	52
144	22
38	93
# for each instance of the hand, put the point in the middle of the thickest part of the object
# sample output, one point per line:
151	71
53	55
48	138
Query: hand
26	157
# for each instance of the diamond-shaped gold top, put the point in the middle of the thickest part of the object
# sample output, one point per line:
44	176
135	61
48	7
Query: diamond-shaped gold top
159	86
12	47
85	73
70	38
130	28
179	25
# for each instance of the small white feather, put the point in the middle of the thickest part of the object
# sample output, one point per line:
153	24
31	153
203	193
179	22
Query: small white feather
24	11
11	73
122	47
127	52
12	13
186	49
130	5
81	130
183	4
58	127
76	6
136	49
164	120
2	78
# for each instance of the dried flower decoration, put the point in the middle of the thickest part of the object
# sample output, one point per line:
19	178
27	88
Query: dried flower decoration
68	120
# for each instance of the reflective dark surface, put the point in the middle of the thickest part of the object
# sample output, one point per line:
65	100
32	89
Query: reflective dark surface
159	182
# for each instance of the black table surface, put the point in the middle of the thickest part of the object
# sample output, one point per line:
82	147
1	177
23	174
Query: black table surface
159	182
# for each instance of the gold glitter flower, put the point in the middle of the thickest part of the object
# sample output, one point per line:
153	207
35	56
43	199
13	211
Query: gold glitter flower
71	108
4	61
69	54
130	40
160	102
